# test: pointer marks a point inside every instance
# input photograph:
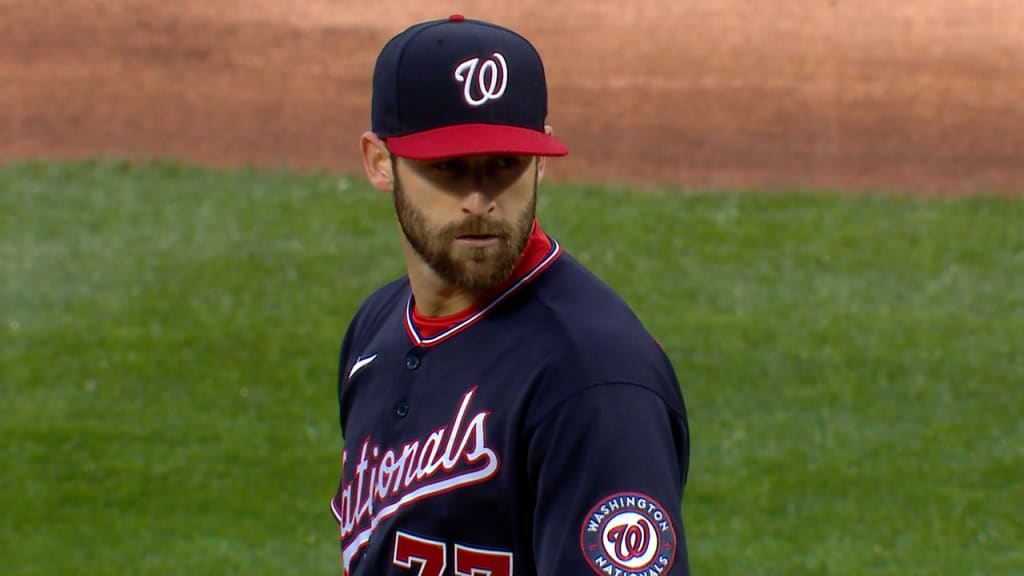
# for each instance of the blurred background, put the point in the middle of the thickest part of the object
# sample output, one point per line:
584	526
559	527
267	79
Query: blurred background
921	95
185	233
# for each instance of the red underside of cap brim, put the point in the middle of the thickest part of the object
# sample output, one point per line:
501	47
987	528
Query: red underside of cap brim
473	139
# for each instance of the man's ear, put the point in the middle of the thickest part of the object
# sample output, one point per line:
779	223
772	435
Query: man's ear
377	162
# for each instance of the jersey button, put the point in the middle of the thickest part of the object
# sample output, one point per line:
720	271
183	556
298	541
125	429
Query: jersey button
412	362
402	409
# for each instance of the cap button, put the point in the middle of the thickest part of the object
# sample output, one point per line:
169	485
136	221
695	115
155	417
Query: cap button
456	18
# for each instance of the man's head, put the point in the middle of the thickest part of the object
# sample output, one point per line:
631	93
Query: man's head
459	136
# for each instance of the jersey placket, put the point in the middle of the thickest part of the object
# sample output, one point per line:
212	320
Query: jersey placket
412	369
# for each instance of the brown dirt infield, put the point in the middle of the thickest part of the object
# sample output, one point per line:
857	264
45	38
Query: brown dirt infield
919	96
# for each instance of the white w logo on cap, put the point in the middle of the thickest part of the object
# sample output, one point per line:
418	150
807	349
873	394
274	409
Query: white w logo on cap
483	82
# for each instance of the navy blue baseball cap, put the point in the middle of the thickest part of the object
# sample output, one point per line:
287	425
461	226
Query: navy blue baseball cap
458	87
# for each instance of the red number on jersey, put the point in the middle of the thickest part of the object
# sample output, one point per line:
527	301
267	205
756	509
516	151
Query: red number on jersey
429	555
476	562
431	559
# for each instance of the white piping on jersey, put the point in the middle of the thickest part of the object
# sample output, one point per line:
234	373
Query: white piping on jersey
427	491
455	438
556	249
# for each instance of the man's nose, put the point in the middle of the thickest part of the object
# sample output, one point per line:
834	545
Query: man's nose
477	202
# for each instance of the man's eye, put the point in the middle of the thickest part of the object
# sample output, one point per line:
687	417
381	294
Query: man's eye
448	166
506	162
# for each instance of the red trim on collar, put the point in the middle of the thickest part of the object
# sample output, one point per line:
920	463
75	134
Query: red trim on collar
539	251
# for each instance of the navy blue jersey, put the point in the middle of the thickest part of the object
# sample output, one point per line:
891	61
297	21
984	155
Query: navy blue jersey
541	433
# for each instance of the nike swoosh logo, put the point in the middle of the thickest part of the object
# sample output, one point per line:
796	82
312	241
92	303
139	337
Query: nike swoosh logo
361	362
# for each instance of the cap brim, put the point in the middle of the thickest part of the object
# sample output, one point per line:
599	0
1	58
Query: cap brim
474	139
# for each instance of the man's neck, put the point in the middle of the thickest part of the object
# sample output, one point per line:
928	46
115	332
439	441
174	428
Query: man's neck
434	297
441	300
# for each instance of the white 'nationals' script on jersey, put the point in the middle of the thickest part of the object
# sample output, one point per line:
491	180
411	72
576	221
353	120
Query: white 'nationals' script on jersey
453	456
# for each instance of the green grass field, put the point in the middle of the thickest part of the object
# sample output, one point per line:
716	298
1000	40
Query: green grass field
852	366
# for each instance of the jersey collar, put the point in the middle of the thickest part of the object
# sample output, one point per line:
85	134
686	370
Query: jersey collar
540	252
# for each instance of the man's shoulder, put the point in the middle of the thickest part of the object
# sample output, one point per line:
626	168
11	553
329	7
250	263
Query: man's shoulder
593	339
383	302
596	333
583	305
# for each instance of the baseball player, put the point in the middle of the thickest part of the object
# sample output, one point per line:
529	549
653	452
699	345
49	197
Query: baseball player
504	411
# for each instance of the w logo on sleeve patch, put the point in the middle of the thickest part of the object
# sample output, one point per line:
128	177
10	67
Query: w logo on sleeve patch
628	534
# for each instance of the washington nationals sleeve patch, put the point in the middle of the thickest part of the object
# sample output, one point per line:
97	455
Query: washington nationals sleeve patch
628	534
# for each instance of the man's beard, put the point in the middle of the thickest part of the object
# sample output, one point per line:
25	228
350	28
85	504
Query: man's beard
474	269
